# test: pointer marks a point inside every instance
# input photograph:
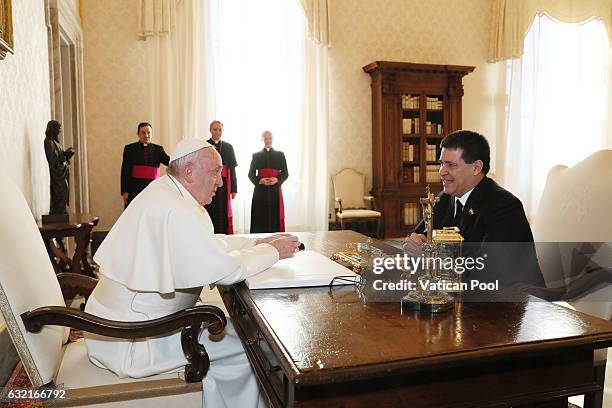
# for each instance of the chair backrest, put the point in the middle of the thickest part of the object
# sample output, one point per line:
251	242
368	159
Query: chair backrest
349	185
574	208
27	281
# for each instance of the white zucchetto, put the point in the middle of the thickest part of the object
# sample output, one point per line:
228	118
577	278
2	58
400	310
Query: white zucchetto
187	146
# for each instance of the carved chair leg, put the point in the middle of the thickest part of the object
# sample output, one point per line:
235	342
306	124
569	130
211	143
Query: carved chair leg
342	226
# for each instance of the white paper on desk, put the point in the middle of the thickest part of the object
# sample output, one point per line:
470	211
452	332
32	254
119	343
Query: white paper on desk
306	268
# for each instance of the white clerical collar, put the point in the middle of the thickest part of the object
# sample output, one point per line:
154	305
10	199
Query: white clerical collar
182	190
463	199
267	149
215	141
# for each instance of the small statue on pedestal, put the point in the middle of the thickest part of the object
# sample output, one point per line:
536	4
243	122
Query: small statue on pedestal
59	162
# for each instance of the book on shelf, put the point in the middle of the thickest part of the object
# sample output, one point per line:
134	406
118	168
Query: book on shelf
411	214
410	101
430	153
408	152
432	175
407	175
411	175
406	126
410	126
434	103
433	128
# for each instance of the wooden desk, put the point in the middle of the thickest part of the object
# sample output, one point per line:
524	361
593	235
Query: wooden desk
310	347
78	226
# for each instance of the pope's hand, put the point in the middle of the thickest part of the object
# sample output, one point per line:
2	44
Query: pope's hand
286	246
266	240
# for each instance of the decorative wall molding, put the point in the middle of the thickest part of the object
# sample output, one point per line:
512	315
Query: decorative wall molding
66	49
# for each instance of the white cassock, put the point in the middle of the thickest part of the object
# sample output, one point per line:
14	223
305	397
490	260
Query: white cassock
154	262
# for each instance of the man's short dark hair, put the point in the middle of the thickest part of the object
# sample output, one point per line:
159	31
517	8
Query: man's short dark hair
143	124
474	146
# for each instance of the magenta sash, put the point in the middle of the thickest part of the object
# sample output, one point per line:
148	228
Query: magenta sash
145	172
225	173
266	173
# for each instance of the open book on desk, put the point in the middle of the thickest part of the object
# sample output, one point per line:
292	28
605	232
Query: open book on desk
306	268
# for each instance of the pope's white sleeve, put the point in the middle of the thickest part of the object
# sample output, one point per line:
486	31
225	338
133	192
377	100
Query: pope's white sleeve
234	242
252	260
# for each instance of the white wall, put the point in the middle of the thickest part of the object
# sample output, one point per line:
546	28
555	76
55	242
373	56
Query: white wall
116	97
433	31
25	106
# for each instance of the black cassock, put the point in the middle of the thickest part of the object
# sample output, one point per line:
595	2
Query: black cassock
140	167
267	209
220	209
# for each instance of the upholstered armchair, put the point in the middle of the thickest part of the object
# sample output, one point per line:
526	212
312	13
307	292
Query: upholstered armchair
38	321
350	199
573	233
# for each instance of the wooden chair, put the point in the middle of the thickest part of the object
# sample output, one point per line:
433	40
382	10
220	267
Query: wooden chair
33	307
350	199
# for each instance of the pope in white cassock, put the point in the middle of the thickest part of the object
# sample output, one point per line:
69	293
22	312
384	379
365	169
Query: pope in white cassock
155	261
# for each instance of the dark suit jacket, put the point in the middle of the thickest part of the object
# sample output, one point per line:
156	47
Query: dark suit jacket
493	223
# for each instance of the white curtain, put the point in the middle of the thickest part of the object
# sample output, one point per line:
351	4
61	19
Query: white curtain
511	20
266	74
317	14
178	72
557	103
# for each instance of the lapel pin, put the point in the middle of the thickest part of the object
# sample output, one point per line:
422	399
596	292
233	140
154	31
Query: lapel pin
471	211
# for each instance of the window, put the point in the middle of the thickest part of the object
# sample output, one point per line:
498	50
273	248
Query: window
557	103
261	62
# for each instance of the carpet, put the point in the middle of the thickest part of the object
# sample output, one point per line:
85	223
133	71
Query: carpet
19	379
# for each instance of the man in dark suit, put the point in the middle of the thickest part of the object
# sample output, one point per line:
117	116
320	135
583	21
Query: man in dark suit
141	161
490	219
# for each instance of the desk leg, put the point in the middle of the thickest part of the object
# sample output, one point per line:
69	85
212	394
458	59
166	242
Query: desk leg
595	399
80	264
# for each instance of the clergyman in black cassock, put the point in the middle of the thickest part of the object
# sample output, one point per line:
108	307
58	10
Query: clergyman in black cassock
141	161
220	209
267	208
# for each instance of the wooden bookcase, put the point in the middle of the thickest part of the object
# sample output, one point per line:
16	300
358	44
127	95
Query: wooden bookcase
413	107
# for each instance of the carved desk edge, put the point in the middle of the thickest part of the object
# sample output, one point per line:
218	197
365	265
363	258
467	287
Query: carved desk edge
460	358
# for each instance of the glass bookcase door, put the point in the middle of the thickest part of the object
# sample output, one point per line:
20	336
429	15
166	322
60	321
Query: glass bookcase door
411	146
411	214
